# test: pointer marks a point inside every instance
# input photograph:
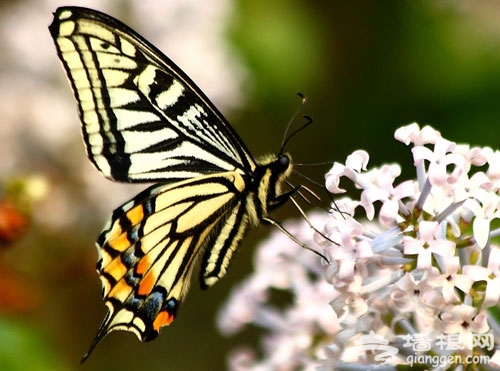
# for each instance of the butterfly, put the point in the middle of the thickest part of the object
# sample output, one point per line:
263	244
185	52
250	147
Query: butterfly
144	120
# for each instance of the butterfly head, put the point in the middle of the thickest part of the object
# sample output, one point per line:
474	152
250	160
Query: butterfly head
278	166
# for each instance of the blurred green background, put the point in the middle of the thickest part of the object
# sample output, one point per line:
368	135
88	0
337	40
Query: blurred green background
366	67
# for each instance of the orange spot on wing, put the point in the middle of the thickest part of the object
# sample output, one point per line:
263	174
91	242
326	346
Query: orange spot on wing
115	231
146	284
116	269
143	265
135	215
120	243
163	318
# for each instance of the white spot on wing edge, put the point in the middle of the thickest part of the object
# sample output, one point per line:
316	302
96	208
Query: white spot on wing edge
145	79
102	165
170	96
66	28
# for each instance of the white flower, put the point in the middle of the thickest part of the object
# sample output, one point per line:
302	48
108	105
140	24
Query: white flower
427	244
451	280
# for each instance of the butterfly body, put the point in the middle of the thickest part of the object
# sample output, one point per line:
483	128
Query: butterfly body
144	120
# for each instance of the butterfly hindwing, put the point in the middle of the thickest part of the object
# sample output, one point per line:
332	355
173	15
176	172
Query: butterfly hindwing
150	245
142	118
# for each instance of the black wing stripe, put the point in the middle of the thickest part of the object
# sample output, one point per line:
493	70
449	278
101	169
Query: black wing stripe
216	259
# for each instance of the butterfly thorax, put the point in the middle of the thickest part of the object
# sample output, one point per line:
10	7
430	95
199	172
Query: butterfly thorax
264	186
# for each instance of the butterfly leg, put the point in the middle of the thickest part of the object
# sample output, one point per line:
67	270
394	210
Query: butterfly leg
281	199
292	237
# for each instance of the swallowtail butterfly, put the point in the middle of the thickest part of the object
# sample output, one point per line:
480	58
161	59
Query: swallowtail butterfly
144	120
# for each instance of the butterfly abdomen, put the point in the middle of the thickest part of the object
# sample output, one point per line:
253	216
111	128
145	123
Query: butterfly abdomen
262	193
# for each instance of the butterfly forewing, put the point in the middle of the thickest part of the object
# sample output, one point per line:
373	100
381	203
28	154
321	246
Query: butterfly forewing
142	118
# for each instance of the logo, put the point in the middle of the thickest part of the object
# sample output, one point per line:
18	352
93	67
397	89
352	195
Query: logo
453	348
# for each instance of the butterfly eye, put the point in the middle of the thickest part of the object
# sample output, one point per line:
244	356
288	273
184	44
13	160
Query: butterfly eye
284	162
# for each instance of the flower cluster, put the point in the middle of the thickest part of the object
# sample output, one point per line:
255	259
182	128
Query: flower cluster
429	266
413	267
295	324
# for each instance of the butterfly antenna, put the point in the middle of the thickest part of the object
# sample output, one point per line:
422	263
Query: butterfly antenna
309	121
